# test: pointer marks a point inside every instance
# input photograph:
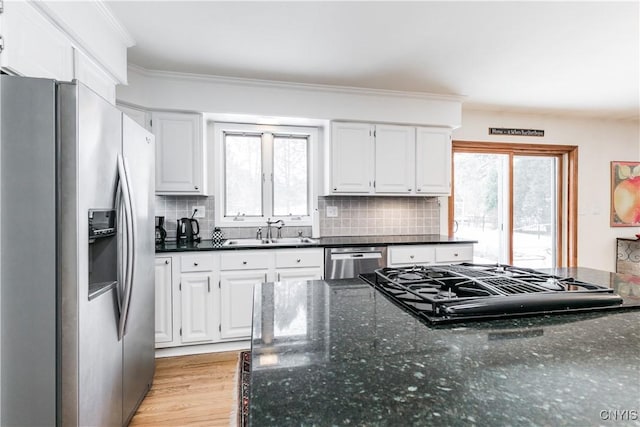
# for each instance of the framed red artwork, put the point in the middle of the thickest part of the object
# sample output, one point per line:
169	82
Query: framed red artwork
625	194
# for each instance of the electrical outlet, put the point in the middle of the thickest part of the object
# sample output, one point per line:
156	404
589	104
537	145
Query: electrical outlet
199	210
332	211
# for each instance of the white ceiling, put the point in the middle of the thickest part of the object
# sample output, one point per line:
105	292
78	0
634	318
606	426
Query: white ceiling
559	57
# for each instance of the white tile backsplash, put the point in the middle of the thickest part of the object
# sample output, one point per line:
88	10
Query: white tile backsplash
175	207
375	215
357	216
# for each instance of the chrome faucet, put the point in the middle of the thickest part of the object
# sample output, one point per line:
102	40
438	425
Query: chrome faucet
270	223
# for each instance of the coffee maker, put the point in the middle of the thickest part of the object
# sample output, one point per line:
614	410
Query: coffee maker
187	230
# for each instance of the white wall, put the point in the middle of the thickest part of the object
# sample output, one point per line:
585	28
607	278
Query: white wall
222	95
600	141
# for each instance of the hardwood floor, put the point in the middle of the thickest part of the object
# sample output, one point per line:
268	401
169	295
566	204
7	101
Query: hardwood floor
198	390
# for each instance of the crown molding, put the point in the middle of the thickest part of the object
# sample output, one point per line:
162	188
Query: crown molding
114	23
240	81
102	9
567	113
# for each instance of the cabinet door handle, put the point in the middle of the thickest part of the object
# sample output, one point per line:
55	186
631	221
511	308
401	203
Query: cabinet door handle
409	190
244	262
418	189
455	254
335	189
411	256
208	284
298	260
195	186
195	263
166	261
265	277
278	277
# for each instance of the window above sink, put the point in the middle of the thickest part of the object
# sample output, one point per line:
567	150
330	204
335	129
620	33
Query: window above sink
264	172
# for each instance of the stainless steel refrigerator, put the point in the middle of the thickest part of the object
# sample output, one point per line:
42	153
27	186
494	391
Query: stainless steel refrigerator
77	248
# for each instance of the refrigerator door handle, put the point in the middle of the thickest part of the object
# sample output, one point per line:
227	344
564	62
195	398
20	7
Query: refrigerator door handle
120	262
130	227
132	252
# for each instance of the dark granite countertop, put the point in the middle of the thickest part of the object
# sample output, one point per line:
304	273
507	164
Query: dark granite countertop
323	242
339	353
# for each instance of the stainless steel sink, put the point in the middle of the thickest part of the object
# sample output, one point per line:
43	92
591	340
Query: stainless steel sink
243	242
271	242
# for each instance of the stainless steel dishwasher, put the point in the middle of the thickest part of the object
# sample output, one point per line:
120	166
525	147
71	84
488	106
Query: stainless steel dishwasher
346	263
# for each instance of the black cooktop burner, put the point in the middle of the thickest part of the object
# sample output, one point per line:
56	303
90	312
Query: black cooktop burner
409	276
447	293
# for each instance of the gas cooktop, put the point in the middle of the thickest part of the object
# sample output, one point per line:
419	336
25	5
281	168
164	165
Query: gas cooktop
449	293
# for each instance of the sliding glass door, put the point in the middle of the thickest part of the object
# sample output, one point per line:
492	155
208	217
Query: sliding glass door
510	200
481	203
535	208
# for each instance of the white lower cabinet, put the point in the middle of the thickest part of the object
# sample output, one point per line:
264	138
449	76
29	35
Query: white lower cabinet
164	312
450	253
186	299
198	306
447	254
299	264
236	302
298	274
207	297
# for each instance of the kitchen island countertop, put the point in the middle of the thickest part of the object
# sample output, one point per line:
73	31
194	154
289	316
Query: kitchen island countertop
322	242
340	353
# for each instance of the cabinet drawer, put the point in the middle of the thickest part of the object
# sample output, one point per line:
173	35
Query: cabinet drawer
200	262
454	253
244	260
411	254
299	258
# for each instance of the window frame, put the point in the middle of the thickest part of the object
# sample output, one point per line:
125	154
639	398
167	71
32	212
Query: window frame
268	132
567	188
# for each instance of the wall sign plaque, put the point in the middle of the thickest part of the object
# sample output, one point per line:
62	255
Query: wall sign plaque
517	132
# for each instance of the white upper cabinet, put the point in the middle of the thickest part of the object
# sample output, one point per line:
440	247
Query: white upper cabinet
395	153
179	153
351	158
33	46
433	161
397	160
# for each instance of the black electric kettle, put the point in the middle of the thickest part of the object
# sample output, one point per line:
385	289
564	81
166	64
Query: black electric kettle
188	230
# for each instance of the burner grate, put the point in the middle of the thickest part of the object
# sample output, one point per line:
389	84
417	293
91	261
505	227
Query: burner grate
466	271
443	293
511	286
